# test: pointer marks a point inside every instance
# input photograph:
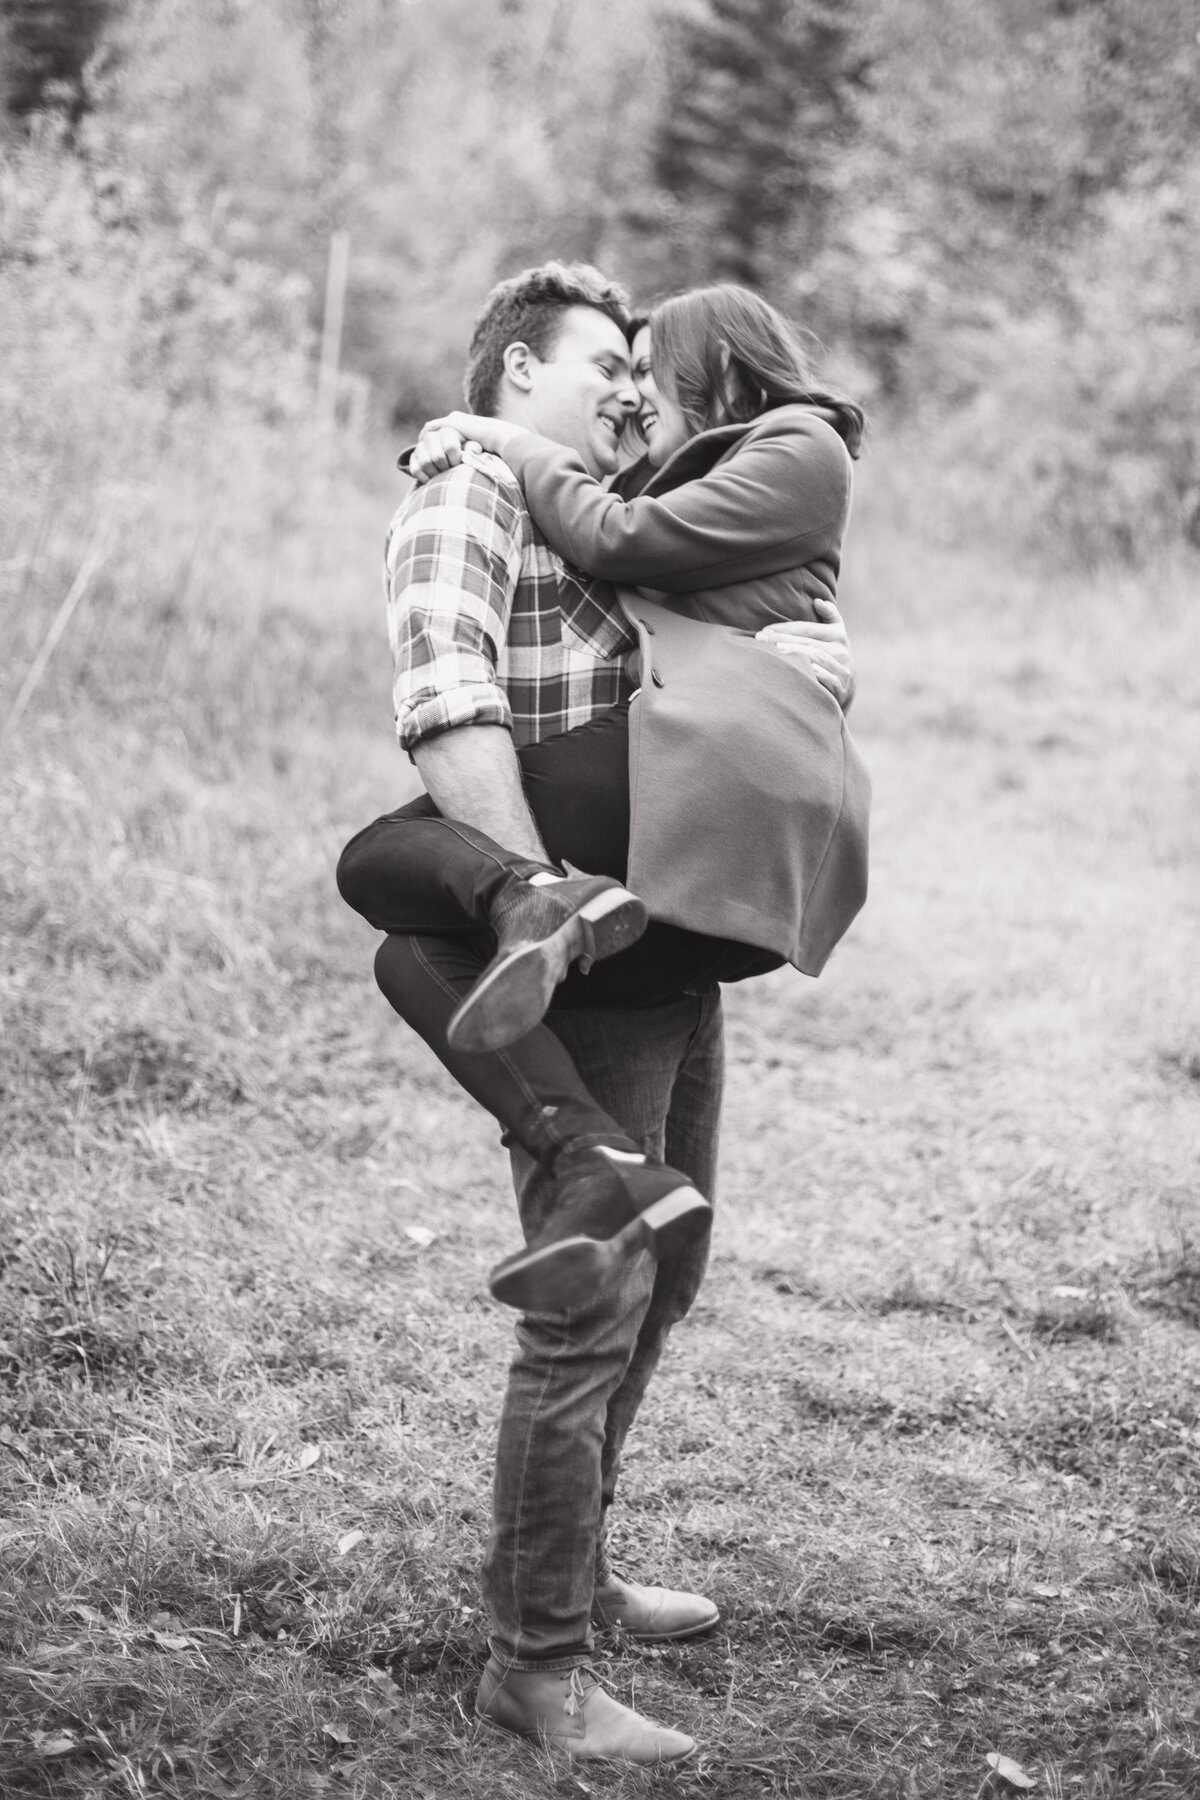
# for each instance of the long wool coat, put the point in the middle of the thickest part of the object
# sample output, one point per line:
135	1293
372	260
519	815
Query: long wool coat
750	801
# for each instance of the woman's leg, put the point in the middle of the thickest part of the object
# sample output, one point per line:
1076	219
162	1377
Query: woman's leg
412	870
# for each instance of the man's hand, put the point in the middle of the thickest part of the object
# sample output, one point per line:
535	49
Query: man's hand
825	644
442	442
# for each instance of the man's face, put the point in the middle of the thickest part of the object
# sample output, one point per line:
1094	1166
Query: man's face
582	394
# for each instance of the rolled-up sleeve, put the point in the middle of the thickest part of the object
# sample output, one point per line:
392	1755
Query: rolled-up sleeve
452	562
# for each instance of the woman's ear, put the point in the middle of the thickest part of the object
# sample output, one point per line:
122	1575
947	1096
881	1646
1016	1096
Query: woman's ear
517	358
740	397
728	387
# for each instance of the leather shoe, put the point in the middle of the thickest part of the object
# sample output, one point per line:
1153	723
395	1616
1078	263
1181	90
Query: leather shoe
651	1615
541	929
568	1709
609	1205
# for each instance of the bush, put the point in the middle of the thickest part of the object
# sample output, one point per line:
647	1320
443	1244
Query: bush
1072	430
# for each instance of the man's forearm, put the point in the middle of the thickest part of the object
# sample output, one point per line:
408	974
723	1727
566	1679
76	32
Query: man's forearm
472	774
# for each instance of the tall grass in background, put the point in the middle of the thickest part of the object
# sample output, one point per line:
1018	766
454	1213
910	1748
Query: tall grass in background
159	394
213	717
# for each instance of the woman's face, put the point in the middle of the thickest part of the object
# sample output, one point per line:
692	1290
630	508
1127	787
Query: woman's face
663	425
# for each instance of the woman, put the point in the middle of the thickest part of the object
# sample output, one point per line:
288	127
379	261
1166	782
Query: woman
753	856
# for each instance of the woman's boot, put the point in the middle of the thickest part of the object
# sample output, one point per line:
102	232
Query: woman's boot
542	924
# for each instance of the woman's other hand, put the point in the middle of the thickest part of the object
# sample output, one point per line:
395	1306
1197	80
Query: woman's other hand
826	645
443	441
438	448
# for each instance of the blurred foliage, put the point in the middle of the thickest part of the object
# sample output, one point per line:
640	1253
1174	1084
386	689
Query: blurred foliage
983	212
45	47
757	111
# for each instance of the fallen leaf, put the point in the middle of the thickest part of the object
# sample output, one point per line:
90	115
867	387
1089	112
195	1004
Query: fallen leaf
1069	1293
337	1734
44	1652
348	1540
420	1234
53	1743
169	1640
308	1456
87	1613
1009	1771
344	1768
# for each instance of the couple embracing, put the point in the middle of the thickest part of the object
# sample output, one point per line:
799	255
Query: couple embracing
621	674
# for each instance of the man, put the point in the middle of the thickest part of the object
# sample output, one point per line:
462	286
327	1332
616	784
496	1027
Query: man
550	353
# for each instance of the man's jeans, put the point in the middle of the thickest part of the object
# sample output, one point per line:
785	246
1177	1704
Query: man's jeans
578	1377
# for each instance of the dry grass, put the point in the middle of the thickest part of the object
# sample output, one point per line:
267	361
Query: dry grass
930	1437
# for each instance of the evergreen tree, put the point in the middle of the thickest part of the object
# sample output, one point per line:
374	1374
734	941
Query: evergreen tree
44	49
758	108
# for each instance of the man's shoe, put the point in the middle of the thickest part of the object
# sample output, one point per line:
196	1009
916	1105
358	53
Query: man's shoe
610	1205
540	931
568	1709
652	1615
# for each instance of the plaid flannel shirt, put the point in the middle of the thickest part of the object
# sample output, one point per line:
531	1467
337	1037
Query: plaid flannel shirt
487	625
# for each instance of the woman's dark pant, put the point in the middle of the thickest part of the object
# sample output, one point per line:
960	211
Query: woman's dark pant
430	882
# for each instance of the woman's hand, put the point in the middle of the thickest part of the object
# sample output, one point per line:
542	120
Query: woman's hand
434	451
442	442
826	645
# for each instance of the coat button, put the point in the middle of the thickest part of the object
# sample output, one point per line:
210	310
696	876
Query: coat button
657	679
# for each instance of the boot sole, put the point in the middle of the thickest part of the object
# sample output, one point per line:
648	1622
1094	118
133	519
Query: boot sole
557	1277
512	995
668	1225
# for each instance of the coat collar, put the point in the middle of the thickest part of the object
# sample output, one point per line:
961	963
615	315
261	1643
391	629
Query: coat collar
704	451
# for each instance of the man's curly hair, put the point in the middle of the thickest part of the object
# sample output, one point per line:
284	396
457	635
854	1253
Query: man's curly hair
528	309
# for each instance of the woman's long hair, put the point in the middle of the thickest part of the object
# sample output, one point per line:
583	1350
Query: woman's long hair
724	355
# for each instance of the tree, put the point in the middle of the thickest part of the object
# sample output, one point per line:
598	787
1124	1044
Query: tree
45	47
760	105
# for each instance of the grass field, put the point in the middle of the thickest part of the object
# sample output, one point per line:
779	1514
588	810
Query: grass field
931	1438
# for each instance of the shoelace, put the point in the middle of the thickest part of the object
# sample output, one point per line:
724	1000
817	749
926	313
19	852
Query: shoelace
583	1678
577	1693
